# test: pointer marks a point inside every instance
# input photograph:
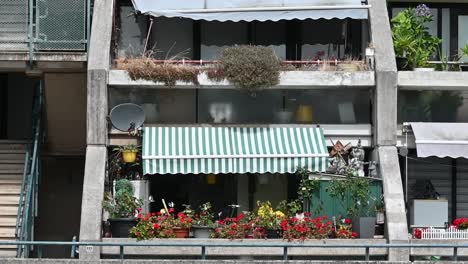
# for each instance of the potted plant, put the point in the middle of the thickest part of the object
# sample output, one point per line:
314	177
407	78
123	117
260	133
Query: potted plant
182	225
464	53
238	227
203	222
122	209
154	225
380	210
269	219
128	152
412	40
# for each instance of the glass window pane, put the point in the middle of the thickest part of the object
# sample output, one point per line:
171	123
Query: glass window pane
271	34
432	106
323	39
284	106
172	38
216	36
462	33
132	33
164	106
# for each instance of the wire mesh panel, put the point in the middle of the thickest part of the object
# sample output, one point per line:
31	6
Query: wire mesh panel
13	25
61	25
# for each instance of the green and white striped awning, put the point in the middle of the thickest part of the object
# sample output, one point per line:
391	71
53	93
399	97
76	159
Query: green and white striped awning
183	150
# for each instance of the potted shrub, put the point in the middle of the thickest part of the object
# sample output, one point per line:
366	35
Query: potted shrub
464	53
248	67
128	152
269	219
239	227
203	222
412	40
122	209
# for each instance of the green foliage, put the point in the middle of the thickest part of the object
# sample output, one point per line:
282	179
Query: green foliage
411	38
205	217
124	186
290	208
249	67
356	189
464	50
127	148
307	187
123	204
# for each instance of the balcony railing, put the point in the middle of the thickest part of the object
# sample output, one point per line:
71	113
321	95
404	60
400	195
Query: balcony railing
44	25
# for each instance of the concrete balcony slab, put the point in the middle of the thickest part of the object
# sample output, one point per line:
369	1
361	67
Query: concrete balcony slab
437	80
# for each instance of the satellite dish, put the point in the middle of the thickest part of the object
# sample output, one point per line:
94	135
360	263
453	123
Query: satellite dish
126	116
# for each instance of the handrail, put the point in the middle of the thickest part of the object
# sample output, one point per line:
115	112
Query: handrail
27	207
21	199
203	246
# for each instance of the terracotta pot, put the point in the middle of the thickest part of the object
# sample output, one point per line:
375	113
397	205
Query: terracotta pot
129	156
181	232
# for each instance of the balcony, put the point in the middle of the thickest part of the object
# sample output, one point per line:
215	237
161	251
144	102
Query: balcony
44	31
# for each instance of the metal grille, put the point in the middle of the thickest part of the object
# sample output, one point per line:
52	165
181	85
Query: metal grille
61	24
14	25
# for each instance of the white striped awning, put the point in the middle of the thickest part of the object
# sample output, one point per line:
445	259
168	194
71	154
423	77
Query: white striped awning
195	150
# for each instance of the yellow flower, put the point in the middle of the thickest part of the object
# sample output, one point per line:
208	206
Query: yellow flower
279	214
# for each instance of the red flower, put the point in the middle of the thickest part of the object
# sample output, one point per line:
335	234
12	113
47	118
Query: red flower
354	235
307	214
139	216
137	234
157	226
139	209
158	213
171	210
347	221
153	214
325	217
418	233
240	217
221	222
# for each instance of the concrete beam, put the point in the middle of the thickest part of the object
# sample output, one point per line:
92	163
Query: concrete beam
396	223
96	136
93	194
288	79
385	99
437	80
45	56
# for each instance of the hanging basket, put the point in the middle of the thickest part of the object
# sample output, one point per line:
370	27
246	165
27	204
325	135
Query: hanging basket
129	156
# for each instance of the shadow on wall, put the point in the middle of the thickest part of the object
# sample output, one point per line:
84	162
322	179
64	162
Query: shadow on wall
60	194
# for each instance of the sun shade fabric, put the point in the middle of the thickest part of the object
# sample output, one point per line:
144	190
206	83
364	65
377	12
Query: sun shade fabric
195	150
198	10
441	139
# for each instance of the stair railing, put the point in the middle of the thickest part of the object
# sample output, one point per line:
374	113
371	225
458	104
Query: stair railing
27	208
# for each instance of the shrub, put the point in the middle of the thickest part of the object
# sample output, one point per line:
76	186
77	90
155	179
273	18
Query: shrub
123	204
168	74
249	67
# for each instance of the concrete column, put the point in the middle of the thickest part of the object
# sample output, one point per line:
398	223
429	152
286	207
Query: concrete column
96	136
385	127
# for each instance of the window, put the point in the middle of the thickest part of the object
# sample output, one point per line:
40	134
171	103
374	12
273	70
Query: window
432	106
231	106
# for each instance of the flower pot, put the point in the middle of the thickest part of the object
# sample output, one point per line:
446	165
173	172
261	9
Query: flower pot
283	117
120	227
272	233
364	226
402	63
424	69
129	156
201	231
181	232
464	67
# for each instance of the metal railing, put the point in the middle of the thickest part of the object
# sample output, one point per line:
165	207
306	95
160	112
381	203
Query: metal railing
27	206
44	25
74	245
